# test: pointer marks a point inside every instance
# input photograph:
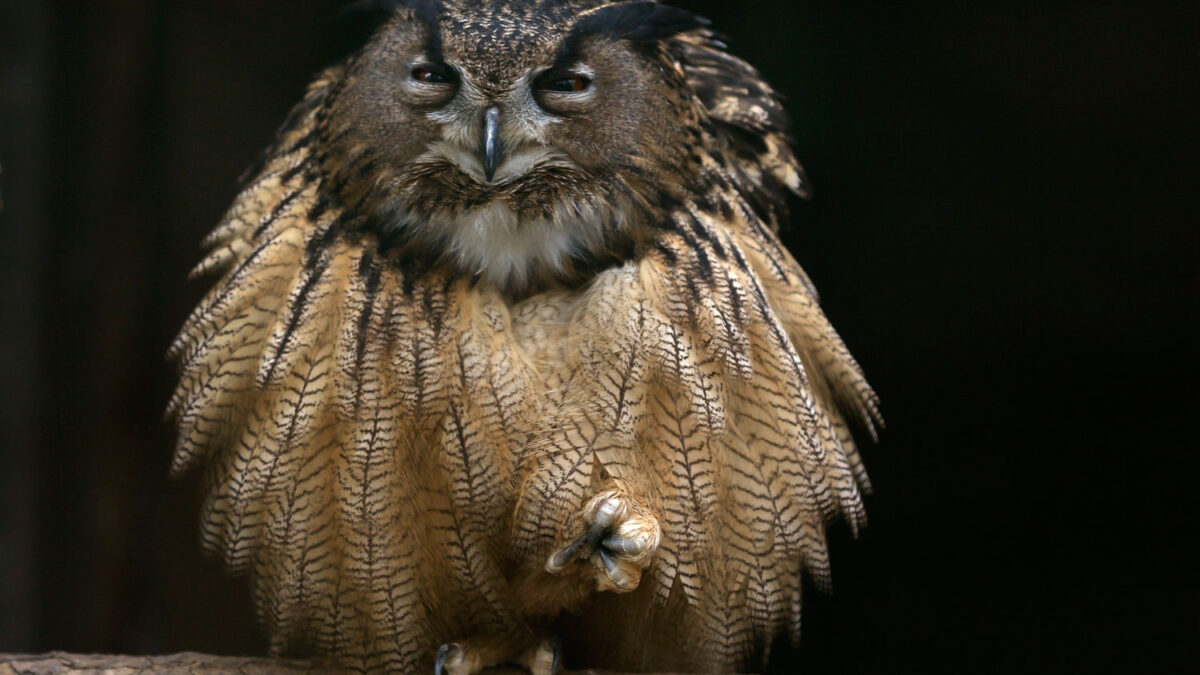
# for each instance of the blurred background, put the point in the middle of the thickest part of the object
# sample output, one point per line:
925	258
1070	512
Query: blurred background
1004	230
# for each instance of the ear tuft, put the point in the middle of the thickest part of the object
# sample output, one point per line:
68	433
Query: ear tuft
428	10
639	21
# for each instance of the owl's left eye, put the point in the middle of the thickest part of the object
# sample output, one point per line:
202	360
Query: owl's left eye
567	83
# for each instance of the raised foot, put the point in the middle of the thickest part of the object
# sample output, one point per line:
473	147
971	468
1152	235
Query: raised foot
619	541
461	658
455	659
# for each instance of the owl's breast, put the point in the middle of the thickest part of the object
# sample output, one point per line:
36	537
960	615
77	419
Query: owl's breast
495	243
508	247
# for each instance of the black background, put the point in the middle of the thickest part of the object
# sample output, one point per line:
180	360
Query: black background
1003	230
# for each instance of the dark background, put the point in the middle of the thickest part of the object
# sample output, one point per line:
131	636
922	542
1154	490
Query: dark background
1003	230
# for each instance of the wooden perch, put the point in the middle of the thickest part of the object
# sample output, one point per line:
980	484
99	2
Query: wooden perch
187	662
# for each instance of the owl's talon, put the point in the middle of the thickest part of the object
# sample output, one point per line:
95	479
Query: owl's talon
611	568
472	656
546	658
450	659
620	542
626	545
570	552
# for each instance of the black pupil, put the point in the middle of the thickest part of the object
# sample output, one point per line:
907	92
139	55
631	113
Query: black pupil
567	84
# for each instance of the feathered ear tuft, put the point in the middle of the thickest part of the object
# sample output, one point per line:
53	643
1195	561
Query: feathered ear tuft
389	6
426	11
642	22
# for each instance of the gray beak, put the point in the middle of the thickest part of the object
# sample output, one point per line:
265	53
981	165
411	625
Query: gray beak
491	141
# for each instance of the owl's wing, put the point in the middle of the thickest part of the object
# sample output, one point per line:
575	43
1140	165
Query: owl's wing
706	383
754	170
747	114
315	379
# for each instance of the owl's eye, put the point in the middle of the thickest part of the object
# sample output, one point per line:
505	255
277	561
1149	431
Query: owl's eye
431	75
569	83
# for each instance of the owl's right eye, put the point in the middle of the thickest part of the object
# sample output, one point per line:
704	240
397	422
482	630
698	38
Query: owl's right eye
432	75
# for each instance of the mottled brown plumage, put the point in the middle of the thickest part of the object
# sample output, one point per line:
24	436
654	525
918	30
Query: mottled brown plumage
447	402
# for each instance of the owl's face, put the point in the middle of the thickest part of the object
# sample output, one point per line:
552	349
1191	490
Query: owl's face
513	138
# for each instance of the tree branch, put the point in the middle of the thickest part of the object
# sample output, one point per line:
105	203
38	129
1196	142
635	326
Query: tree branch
185	663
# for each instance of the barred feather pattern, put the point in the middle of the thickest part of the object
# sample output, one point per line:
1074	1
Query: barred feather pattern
389	449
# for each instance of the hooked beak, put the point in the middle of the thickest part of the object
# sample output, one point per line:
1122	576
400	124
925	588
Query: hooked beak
491	141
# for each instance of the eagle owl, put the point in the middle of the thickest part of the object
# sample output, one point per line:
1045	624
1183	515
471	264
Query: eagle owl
506	361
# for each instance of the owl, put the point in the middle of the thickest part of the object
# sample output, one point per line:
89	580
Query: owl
506	363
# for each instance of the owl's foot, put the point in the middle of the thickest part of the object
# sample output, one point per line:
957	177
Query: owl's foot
544	659
620	542
463	658
455	659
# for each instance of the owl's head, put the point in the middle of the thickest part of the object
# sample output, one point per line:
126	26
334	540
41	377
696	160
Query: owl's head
521	141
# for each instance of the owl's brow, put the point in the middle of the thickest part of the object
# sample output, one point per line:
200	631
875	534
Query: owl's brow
429	10
639	21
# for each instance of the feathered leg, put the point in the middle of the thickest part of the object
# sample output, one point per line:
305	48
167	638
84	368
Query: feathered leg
468	657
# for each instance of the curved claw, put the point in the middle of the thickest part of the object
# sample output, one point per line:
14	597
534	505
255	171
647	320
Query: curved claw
621	579
606	513
446	652
610	565
546	658
626	545
566	555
